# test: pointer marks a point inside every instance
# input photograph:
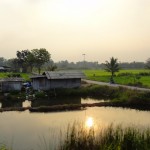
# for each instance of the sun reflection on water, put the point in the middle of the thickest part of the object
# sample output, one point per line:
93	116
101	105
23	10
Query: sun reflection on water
89	122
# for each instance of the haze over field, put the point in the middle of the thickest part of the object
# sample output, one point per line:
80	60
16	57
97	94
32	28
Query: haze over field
69	28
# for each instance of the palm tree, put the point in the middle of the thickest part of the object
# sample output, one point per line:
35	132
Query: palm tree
148	63
112	67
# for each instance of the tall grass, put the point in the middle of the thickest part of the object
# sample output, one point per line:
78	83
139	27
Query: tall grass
109	138
4	147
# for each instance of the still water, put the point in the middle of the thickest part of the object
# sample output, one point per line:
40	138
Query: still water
29	131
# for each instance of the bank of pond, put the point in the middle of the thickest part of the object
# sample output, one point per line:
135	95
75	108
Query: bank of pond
88	118
70	99
91	129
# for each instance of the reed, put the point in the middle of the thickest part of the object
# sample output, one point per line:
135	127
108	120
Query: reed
109	138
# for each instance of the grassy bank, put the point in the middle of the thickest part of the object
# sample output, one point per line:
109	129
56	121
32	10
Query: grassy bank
109	138
139	78
117	96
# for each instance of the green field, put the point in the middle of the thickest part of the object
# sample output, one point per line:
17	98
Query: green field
25	76
125	77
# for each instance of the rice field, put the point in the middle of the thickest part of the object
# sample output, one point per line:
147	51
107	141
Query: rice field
124	77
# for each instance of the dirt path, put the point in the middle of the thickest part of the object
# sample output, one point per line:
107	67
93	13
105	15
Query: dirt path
116	85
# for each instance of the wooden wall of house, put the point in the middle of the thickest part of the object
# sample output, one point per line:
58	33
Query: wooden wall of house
39	83
11	86
64	83
45	84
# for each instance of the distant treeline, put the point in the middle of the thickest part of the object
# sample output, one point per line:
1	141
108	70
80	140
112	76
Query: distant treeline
95	65
77	65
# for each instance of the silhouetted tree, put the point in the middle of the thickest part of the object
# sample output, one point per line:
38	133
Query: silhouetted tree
14	64
148	63
22	57
112	66
50	65
40	56
3	61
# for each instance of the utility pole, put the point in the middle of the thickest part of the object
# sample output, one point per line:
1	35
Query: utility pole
84	59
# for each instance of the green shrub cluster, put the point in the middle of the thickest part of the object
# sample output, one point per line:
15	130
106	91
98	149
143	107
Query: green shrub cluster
12	75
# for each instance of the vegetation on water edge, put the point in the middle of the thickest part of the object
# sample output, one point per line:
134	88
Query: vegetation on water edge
117	96
109	138
140	78
82	137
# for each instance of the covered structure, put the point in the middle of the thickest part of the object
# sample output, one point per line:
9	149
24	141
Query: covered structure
11	84
57	79
5	68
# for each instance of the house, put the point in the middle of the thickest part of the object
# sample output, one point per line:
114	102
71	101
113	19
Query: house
5	68
11	84
57	79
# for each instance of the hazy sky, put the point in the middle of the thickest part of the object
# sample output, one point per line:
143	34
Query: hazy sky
69	28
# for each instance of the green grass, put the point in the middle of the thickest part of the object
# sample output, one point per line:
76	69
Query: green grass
102	75
110	138
25	76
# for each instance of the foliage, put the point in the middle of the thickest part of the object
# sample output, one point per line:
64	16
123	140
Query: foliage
40	94
2	61
13	63
148	63
109	138
124	77
25	76
22	57
50	66
112	67
4	147
41	56
14	75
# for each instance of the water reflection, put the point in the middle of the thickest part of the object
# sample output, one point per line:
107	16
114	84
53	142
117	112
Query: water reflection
92	100
55	101
26	103
89	122
47	102
25	127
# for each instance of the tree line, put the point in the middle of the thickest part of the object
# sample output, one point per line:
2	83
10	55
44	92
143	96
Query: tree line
26	60
40	59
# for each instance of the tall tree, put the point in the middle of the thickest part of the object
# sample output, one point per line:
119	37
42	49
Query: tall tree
148	63
30	61
14	64
22	57
112	66
41	56
3	61
50	65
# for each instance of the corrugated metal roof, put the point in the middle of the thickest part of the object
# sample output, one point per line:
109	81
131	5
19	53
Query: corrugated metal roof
64	74
37	76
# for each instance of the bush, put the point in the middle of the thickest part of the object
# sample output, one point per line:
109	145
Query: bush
40	94
144	73
12	75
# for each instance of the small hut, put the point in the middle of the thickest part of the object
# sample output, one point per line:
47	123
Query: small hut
57	79
11	84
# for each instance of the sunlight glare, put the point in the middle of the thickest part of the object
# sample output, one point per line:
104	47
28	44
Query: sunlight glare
89	122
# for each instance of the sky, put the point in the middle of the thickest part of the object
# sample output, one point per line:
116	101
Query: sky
68	29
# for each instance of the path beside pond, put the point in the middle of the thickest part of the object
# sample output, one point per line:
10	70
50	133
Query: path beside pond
116	85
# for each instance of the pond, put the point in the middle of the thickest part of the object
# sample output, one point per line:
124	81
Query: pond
30	131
